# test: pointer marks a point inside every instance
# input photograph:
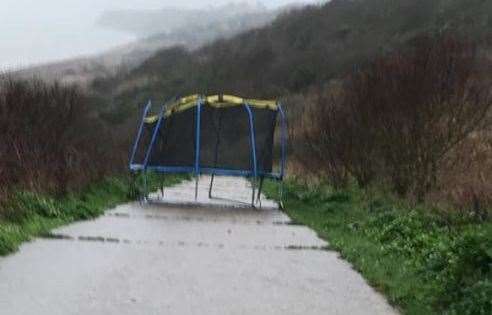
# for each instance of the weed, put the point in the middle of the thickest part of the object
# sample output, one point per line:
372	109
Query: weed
26	214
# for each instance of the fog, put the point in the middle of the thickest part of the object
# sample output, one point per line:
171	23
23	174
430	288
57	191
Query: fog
33	31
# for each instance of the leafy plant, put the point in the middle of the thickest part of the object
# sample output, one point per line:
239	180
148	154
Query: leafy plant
424	262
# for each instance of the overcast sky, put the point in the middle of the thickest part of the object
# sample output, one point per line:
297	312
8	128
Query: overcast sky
36	31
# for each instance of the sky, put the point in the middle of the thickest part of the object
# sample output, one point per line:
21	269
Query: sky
38	31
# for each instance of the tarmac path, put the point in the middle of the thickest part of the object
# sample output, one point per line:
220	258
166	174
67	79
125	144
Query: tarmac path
168	259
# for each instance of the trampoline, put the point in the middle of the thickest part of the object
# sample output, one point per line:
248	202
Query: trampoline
215	135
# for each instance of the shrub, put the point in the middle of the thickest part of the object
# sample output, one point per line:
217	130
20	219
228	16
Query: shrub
318	143
399	117
51	139
476	300
422	103
455	262
459	267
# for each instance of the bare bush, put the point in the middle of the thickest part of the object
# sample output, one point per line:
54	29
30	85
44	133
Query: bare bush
50	140
465	177
424	103
400	116
315	142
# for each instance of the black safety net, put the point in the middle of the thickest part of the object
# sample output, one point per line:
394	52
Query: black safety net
224	135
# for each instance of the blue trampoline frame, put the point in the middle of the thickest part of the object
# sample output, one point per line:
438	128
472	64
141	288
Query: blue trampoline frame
196	169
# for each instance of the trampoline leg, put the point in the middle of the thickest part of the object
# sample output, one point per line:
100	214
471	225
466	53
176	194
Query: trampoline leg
253	186
258	199
281	193
196	188
145	189
211	185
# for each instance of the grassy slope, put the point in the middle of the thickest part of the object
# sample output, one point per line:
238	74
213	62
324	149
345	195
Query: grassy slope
28	215
423	261
301	49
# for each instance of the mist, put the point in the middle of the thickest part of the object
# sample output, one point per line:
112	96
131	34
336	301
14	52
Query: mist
35	32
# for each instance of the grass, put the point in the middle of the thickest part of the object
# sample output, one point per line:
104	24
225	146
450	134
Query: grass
26	215
424	260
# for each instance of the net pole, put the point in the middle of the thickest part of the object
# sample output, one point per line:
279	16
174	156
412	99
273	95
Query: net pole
281	193
149	150
197	143
216	154
145	189
283	144
283	140
154	137
211	185
139	133
253	152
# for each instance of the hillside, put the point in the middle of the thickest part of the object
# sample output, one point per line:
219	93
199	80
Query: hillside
145	23
164	33
301	48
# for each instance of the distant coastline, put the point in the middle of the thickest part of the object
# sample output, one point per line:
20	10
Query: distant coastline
65	45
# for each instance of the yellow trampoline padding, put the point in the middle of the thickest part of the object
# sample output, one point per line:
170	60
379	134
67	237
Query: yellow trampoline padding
151	119
218	101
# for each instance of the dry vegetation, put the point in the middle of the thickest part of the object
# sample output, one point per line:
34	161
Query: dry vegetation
51	139
415	120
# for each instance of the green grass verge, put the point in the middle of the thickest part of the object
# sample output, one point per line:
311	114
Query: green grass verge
423	260
26	215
